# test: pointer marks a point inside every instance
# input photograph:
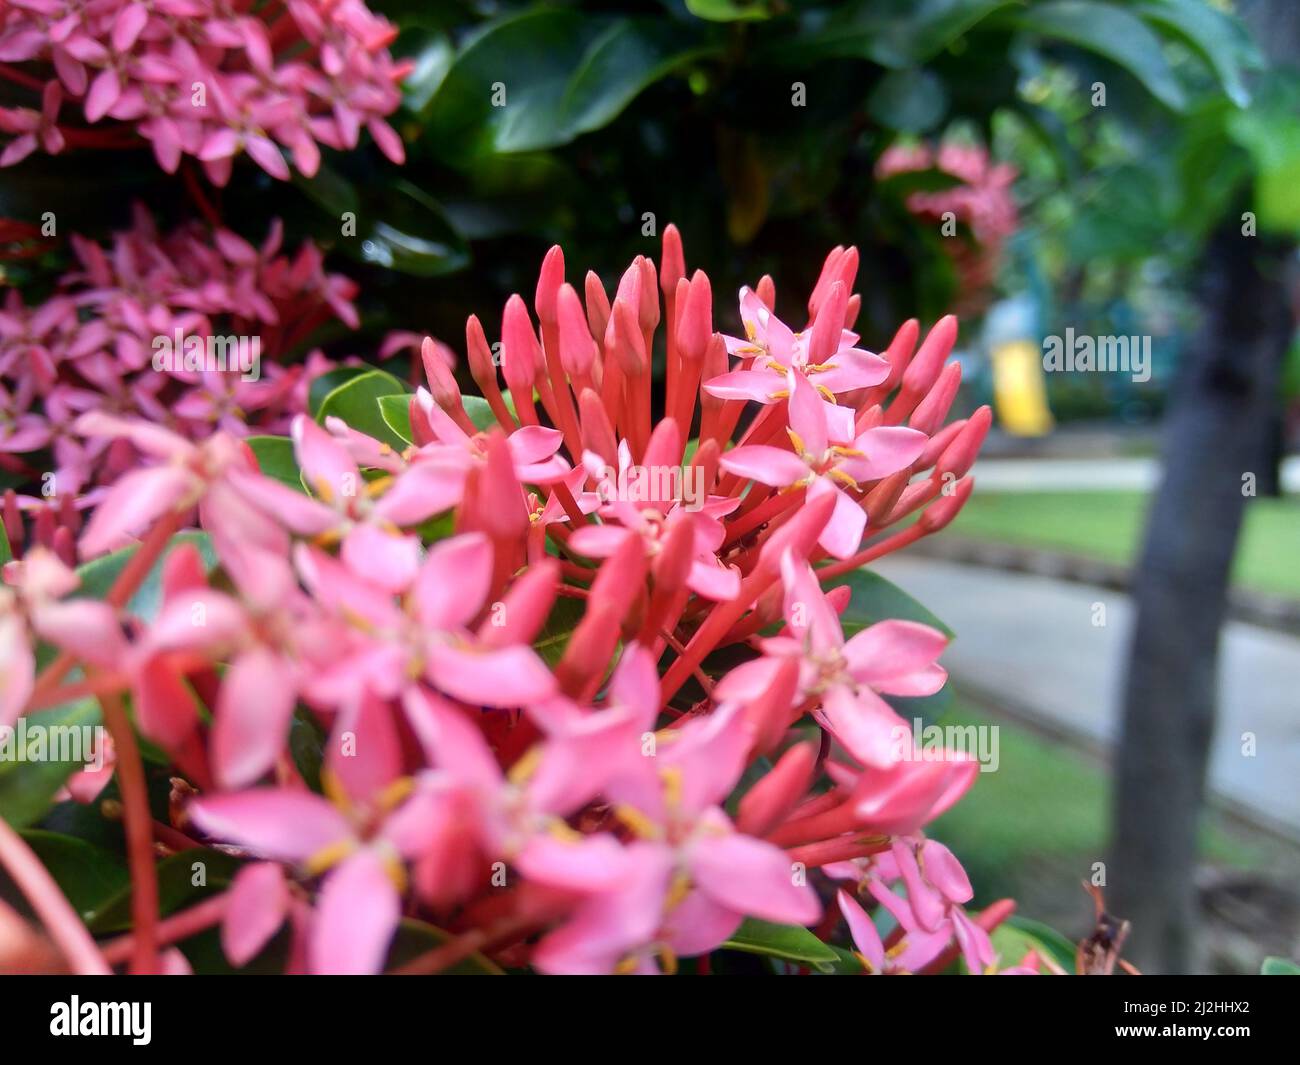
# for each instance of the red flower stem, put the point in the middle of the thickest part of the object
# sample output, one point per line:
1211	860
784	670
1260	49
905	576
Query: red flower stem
715	626
487	384
762	513
130	579
179	926
196	193
566	409
837	850
611	388
638	386
54	910
19	78
570	505
688	388
139	835
878	550
107	683
471	942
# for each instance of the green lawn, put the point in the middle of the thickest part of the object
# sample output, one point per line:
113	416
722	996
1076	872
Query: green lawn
1033	829
1108	526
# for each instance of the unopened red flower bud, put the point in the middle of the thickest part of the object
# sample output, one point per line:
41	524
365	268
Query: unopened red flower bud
437	371
960	455
648	306
925	367
828	326
549	281
673	262
932	410
597	432
947	506
623	337
767	803
597	304
521	354
577	347
695	318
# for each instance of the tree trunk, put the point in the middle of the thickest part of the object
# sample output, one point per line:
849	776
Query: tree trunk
1227	392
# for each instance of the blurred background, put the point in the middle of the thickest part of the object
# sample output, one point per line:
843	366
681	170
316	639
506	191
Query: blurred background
1107	193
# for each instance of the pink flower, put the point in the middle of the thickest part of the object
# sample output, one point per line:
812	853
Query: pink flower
825	355
890	657
314	76
828	458
360	838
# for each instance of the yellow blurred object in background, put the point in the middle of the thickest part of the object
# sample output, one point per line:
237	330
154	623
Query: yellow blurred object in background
1019	389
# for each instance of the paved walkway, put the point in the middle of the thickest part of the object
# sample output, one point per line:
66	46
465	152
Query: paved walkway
1030	641
1067	475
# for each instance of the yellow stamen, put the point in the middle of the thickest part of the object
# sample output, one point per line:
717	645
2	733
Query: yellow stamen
523	769
842	478
672	778
379	485
393	795
796	440
328	857
396	872
668	961
563	832
640	825
334	790
677	891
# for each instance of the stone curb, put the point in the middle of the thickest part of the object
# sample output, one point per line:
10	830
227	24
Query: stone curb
1275	612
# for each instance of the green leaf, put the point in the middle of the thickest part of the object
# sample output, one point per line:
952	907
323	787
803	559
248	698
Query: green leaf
6	552
539	79
414	938
356	403
28	786
399	226
502	93
1111	32
396	412
555	634
873	599
729	10
913	100
1270	132
1017	935
276	459
787	941
323	385
87	874
1212	35
480	411
892	33
183	878
1279	967
621	64
97	576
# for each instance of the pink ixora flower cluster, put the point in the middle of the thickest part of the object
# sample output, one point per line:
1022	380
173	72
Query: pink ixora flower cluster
982	201
142	329
511	635
199	78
